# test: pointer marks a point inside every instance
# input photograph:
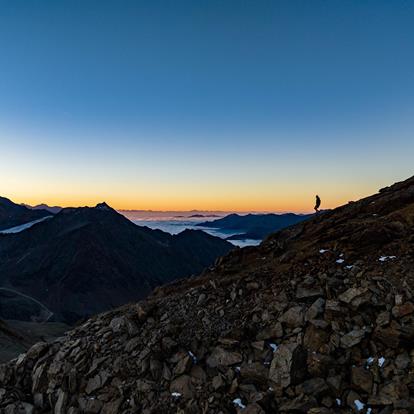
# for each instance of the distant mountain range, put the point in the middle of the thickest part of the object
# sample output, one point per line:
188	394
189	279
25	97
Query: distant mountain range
86	260
12	214
255	226
51	209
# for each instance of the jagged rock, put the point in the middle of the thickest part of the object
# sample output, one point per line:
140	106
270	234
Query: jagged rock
293	317
352	338
301	404
254	372
390	335
288	365
274	331
362	379
315	387
398	311
355	296
253	409
182	386
304	292
221	357
316	309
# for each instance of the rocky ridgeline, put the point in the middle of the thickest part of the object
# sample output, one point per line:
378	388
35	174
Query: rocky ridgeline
318	319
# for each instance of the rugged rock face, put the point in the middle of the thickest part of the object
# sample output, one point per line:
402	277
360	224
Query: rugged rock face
12	214
88	260
318	319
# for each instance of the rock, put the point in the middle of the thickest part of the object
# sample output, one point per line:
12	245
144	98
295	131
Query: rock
288	365
183	365
301	404
274	331
182	385
222	357
293	317
253	409
315	338
355	296
254	373
315	387
316	309
383	318
398	311
361	379
303	292
352	338
390	335
61	403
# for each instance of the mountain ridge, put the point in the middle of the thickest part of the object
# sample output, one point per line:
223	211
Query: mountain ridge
255	226
89	259
13	215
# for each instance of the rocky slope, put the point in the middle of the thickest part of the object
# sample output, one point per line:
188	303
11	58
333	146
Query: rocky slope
12	215
318	319
88	260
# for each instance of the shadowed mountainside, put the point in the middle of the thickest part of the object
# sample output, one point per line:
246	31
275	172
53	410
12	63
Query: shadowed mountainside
87	260
12	215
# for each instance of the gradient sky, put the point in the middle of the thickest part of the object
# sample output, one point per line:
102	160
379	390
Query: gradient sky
204	104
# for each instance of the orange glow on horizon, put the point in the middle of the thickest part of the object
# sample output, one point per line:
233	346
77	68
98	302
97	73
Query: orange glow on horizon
292	204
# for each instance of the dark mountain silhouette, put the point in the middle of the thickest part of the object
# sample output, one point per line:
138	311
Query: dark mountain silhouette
86	260
318	319
255	226
52	209
12	215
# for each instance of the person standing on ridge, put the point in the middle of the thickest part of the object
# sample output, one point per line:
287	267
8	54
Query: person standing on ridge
318	204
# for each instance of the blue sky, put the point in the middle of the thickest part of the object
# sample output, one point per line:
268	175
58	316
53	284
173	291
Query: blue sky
205	104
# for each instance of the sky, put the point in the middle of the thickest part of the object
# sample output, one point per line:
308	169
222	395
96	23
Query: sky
205	104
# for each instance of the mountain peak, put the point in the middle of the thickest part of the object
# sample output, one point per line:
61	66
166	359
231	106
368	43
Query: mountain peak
103	206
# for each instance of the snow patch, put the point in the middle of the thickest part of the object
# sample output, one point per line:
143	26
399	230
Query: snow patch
322	251
340	261
176	394
18	229
385	258
193	357
274	347
381	362
238	403
359	405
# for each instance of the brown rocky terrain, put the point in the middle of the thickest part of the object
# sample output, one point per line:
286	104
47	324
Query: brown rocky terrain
318	319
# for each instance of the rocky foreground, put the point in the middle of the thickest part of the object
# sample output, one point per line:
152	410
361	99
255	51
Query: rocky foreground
318	319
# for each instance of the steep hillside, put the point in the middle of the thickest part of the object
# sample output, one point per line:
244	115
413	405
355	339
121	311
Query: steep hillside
318	319
88	260
12	215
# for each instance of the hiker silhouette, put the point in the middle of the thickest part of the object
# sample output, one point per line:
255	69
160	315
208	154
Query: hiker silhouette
318	203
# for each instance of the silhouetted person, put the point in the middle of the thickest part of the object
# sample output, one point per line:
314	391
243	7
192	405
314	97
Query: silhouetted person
318	204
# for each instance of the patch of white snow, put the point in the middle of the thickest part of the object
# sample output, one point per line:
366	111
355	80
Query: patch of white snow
238	403
274	347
